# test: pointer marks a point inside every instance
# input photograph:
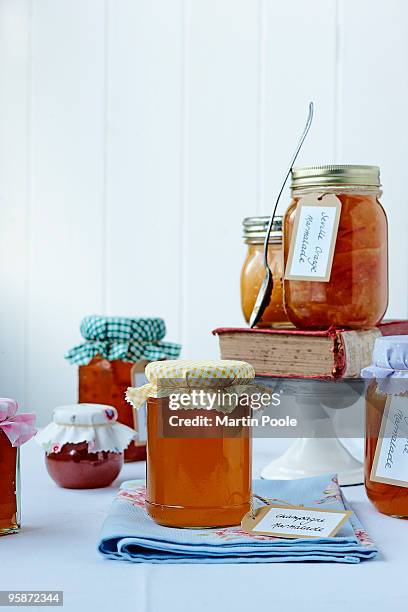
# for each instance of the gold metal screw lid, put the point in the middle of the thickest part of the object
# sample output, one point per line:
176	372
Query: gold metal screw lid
255	229
332	175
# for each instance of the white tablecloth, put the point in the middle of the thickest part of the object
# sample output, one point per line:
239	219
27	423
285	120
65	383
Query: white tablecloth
56	550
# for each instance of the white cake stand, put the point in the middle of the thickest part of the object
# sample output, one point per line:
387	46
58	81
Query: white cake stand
321	452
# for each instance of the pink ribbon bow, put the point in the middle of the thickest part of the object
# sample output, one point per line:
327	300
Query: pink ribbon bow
19	428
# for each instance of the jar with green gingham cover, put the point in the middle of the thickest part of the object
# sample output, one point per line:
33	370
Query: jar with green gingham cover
112	358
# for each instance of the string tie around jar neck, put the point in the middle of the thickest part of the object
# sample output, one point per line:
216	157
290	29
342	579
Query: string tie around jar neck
19	428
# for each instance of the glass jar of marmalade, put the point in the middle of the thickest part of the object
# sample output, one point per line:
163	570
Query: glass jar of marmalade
9	486
15	430
355	292
386	446
253	270
199	469
112	357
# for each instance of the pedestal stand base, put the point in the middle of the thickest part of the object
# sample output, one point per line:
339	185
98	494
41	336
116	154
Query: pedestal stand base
314	456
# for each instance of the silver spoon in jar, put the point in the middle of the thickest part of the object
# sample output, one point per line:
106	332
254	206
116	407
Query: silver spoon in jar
264	294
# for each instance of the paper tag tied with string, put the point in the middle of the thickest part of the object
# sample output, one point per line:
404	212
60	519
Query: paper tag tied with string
314	236
282	520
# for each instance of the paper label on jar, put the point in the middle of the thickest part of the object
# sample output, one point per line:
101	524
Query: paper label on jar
295	521
140	415
390	463
314	237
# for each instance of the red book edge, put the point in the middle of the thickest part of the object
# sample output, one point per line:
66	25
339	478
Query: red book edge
393	327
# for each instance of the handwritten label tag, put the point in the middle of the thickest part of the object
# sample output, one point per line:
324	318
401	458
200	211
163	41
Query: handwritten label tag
314	237
295	521
390	463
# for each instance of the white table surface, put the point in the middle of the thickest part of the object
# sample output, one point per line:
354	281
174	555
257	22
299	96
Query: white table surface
56	550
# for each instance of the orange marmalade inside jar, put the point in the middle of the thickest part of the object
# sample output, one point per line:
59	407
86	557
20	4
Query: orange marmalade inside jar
198	471
253	270
202	481
356	294
387	498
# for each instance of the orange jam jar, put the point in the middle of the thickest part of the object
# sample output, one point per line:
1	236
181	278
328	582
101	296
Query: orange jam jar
335	276
105	382
386	446
198	470
253	270
111	358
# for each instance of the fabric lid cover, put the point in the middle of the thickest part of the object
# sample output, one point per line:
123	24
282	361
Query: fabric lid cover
181	376
96	327
390	364
126	338
95	424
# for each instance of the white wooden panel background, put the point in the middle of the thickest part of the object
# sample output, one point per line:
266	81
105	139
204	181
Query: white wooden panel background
136	134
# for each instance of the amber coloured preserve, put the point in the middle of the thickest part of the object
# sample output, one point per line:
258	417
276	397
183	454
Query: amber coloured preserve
9	486
253	270
196	482
387	498
356	296
105	382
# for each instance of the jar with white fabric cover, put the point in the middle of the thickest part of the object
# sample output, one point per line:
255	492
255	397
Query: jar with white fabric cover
84	445
386	455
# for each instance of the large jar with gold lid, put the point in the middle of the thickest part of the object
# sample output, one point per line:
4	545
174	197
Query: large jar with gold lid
335	248
253	270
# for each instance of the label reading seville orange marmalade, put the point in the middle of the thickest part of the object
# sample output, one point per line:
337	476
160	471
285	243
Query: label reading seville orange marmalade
390	463
314	238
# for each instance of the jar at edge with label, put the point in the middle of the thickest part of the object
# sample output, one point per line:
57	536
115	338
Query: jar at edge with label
355	294
386	444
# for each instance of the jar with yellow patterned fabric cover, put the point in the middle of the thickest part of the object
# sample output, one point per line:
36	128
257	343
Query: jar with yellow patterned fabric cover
198	441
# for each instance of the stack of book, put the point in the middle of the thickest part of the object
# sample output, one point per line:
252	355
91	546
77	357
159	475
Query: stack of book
293	353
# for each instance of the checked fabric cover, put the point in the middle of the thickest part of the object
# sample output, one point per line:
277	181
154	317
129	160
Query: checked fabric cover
125	338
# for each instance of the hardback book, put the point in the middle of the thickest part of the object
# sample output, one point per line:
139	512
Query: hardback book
293	353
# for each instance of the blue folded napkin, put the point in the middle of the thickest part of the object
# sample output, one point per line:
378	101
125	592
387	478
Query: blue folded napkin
129	534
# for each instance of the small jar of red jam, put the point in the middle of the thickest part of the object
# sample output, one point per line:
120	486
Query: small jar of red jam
386	446
335	248
84	446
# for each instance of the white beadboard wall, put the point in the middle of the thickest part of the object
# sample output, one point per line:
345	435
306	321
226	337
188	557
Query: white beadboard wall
136	134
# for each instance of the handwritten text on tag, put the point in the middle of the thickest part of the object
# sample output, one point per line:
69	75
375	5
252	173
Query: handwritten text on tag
313	239
295	522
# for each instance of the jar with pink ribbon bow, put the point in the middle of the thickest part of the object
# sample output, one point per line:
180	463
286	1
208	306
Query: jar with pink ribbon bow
15	429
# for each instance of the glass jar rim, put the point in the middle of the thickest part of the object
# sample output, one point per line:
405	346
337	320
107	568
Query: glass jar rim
336	175
255	228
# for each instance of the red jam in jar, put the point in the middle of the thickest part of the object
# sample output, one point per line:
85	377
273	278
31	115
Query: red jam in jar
84	446
74	467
